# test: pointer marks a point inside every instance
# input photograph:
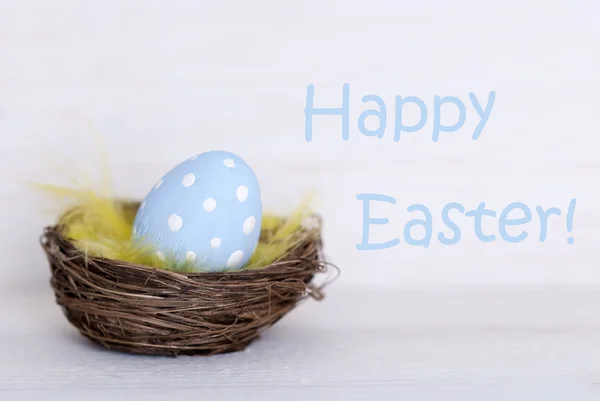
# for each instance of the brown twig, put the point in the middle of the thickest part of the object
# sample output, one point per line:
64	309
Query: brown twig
145	310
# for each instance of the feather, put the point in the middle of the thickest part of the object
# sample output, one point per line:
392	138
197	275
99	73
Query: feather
100	226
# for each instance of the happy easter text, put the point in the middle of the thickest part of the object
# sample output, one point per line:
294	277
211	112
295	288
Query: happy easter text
419	231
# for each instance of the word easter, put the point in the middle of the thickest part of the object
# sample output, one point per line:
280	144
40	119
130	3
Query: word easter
478	214
483	111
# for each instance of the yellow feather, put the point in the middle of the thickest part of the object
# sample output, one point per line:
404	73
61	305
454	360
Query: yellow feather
101	226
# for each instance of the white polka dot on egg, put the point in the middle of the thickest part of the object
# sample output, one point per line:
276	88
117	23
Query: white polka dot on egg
249	225
188	180
190	256
175	222
229	163
235	259
215	242
209	204
242	193
160	256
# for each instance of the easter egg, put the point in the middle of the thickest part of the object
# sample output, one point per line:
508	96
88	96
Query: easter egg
206	210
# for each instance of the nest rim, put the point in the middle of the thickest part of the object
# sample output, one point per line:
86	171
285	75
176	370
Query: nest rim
142	309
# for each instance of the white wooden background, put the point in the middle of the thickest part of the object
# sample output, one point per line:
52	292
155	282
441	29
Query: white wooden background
160	81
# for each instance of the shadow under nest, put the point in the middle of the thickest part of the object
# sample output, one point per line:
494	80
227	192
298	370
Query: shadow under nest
146	310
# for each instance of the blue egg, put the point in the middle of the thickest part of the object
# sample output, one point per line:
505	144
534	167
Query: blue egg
207	210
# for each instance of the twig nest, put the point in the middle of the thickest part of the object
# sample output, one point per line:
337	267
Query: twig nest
146	310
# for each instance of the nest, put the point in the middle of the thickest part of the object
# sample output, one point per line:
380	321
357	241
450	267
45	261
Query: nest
145	310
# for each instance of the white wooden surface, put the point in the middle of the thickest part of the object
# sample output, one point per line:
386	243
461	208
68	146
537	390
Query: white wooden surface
417	344
160	81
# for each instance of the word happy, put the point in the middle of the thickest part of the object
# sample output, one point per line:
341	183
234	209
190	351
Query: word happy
400	127
423	222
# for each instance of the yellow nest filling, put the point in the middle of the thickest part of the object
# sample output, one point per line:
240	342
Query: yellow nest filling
102	227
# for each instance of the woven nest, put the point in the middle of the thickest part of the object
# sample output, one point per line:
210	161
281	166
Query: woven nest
145	310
